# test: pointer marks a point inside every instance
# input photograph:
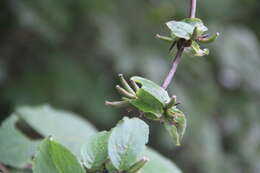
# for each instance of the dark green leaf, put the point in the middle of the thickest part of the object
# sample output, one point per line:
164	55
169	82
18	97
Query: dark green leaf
145	102
52	157
127	142
94	151
152	88
151	98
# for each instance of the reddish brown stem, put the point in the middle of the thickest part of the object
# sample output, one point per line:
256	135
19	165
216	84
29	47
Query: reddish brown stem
193	4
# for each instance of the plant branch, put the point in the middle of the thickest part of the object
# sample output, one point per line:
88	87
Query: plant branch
175	64
177	60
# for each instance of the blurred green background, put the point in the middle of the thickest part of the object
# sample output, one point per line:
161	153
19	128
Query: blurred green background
68	53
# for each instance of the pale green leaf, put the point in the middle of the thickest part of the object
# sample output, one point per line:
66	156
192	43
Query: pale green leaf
94	151
15	149
196	22
175	124
158	163
172	130
127	142
181	29
66	127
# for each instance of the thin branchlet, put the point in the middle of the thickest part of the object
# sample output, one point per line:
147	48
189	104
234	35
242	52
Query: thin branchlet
193	4
177	59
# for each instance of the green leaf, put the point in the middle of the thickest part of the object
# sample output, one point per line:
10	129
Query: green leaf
152	88
66	127
172	130
94	152
138	165
158	163
164	38
110	167
196	22
181	29
145	102
151	98
52	157
196	51
175	124
15	149
181	123
127	142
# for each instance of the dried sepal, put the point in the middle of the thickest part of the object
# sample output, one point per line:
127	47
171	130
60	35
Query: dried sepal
164	38
117	104
125	84
135	86
125	93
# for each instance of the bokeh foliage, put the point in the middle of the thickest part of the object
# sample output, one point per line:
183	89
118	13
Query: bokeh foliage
68	52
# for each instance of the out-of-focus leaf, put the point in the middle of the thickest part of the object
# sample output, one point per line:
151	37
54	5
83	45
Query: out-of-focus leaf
94	151
66	127
52	157
238	51
15	149
127	142
158	163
